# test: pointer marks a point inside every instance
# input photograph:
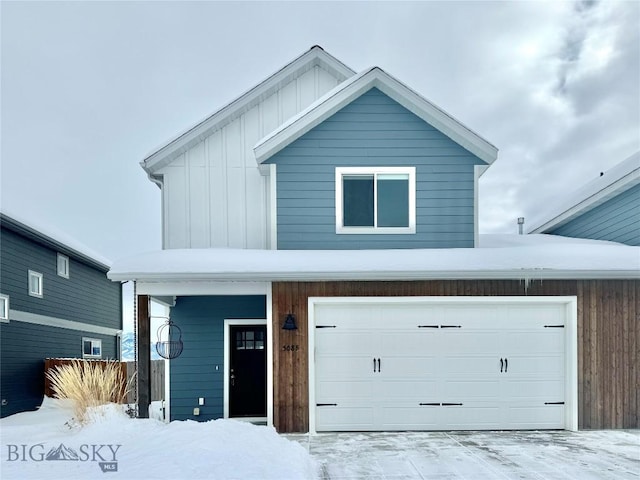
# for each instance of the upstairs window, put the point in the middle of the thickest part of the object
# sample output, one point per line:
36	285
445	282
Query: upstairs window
35	284
91	348
375	200
4	308
63	265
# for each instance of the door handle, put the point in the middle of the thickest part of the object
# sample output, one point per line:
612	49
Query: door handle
506	365
379	370
233	380
374	365
501	365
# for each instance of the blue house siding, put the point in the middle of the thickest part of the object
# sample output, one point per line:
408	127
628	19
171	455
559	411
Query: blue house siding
24	346
87	296
617	220
198	372
374	130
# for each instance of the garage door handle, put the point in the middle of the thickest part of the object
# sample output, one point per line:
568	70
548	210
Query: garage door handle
506	365
379	369
501	365
374	365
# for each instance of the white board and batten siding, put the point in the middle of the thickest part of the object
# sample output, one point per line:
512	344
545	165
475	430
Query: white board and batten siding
433	365
214	194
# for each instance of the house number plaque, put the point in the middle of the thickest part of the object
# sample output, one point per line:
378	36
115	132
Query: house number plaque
290	348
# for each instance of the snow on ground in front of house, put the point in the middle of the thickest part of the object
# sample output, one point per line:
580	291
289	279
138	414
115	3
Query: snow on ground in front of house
139	449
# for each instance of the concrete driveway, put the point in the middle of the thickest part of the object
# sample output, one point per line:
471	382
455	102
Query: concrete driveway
585	455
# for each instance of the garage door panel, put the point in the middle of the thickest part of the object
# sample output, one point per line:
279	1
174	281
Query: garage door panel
409	366
446	357
535	417
344	367
409	417
457	391
418	391
526	316
345	418
339	392
544	365
331	342
546	340
469	340
407	343
537	391
470	365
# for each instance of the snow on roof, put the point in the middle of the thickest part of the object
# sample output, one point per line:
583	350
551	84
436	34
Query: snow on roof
56	238
499	257
195	133
347	91
614	181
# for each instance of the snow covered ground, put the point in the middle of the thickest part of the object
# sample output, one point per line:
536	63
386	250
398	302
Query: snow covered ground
42	445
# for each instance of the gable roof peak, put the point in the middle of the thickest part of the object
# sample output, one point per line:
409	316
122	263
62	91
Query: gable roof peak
315	56
355	86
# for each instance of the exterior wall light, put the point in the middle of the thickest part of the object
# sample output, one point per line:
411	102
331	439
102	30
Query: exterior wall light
290	322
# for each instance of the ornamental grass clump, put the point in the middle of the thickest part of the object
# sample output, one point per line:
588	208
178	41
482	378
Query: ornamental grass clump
88	384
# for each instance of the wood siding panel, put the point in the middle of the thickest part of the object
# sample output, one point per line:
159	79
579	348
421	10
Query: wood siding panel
608	331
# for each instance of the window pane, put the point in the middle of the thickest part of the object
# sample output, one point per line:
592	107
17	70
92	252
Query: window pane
393	200
96	350
357	206
86	347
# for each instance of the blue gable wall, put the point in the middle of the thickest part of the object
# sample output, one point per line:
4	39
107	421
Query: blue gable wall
617	220
198	372
374	130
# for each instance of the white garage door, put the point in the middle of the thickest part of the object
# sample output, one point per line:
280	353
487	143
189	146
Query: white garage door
430	366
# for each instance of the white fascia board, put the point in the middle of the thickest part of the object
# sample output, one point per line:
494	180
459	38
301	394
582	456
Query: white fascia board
347	92
240	283
193	286
616	188
163	155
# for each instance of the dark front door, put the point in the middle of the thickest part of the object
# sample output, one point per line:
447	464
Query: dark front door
248	371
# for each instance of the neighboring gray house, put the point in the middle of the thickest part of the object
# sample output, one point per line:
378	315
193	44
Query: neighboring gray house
321	256
55	301
607	208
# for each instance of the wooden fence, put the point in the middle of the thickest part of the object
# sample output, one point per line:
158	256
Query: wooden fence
127	369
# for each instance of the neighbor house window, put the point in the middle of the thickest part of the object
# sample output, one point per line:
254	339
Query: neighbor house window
376	200
91	348
4	307
63	265
35	284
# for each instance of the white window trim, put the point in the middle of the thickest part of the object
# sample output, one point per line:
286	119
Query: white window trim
4	309
92	340
63	260
341	171
38	275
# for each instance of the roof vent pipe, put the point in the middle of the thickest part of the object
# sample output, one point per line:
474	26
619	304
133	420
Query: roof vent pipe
520	225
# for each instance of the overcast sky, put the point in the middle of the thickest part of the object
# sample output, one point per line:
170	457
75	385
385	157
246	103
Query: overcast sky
89	88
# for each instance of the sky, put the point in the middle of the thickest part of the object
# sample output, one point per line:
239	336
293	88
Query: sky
89	88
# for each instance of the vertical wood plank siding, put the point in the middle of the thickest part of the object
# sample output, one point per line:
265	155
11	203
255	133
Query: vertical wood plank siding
608	340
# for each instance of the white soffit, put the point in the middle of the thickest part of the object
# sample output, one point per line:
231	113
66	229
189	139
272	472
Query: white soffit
610	183
163	155
354	87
